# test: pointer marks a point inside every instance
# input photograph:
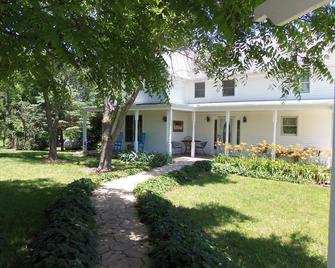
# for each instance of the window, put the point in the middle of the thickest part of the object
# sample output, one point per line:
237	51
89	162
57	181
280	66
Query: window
290	126
130	127
228	88
199	90
305	85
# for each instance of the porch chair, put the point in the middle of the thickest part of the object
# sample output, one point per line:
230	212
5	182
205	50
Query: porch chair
177	147
117	146
200	146
141	141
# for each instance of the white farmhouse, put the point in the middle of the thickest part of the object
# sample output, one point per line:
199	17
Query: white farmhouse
238	111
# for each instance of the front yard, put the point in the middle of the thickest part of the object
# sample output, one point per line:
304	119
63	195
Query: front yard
29	185
259	223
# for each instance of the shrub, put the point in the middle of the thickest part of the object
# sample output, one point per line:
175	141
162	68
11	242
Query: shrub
177	240
152	159
68	239
280	170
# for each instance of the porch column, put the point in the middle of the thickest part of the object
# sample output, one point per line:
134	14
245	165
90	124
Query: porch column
169	123
274	133
85	132
136	131
193	135
227	132
331	233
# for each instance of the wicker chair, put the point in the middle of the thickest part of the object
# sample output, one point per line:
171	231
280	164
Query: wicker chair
177	147
200	146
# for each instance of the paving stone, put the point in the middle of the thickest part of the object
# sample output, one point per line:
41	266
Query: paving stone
122	238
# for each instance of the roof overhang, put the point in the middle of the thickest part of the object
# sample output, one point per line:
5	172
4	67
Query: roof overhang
240	106
281	12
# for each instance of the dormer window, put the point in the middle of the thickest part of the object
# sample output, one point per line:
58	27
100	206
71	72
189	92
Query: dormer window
199	90
228	88
305	82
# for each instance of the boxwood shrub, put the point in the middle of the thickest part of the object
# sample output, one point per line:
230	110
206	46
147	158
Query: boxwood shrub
68	239
279	170
152	159
177	240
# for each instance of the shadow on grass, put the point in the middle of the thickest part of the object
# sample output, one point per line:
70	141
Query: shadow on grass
38	157
255	252
209	178
22	206
247	251
215	215
269	251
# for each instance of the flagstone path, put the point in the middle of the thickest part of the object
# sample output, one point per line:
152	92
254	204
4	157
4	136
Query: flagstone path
122	238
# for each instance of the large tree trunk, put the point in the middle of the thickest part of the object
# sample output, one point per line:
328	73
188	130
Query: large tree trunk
112	123
52	121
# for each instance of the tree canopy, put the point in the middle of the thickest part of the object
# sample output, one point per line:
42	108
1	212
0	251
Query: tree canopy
118	47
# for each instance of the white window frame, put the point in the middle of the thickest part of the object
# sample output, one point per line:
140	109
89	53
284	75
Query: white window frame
223	88
305	81
195	96
282	125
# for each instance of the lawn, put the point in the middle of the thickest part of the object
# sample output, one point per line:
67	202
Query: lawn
260	223
28	185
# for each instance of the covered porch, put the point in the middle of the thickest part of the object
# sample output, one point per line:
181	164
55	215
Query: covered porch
194	129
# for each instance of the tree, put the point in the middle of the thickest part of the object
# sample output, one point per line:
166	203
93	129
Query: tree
121	45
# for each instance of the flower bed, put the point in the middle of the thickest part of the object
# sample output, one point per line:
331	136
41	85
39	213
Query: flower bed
280	170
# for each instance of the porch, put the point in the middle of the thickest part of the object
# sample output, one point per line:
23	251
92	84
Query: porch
306	122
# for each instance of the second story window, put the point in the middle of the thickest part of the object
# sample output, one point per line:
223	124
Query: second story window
305	85
199	90
228	88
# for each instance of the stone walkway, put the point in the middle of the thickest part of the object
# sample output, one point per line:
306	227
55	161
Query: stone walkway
122	238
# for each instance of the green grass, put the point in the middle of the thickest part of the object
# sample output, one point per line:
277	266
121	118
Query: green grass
260	223
29	185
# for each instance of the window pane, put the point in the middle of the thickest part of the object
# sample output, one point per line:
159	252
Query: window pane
228	88
290	130
228	91
290	125
305	85
199	90
228	83
290	121
305	88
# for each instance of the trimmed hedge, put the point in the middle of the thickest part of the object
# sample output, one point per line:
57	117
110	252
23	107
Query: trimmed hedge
177	240
68	239
279	170
152	159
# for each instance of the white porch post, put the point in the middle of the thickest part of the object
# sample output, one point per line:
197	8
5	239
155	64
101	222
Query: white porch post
169	123
274	133
85	131
227	132
193	135
136	131
331	232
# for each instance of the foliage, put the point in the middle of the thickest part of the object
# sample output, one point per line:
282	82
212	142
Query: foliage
295	153
73	133
68	240
280	170
94	131
177	240
152	159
